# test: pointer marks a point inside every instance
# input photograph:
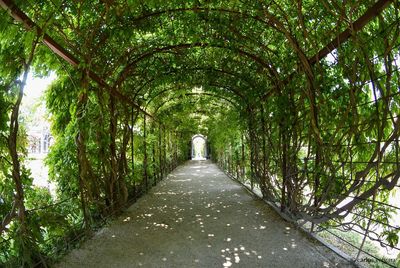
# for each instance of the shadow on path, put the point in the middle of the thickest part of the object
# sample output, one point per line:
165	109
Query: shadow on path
198	217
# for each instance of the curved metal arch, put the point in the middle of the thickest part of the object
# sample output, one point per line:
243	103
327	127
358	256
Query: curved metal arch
215	96
236	105
199	9
272	21
199	111
125	72
148	82
173	98
235	93
177	71
229	88
176	97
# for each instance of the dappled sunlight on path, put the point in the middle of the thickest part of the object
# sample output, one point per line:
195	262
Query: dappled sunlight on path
198	217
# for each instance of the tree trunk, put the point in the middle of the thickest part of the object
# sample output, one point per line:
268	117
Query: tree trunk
27	249
16	168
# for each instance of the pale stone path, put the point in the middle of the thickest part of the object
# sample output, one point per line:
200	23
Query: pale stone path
198	217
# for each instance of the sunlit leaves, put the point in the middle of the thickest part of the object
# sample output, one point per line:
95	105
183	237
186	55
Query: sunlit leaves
230	70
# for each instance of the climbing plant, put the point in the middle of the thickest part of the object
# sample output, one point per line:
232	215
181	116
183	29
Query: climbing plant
300	100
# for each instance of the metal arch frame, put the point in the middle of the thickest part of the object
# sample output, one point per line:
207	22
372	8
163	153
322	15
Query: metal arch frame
208	94
163	49
175	97
235	92
216	96
176	72
21	17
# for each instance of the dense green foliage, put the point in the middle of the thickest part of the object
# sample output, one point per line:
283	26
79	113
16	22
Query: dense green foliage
151	74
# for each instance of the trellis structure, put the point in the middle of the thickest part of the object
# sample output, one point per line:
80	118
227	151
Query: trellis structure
300	100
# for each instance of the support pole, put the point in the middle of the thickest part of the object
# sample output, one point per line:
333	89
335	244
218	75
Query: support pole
145	175
133	153
160	152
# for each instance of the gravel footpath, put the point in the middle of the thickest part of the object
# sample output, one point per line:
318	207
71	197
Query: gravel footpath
198	217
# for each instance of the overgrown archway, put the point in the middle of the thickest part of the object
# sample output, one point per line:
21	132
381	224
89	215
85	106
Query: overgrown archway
199	147
300	101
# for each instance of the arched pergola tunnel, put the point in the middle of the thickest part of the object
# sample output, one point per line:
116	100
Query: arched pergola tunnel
299	100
